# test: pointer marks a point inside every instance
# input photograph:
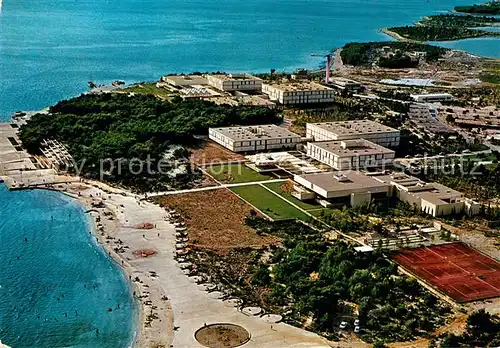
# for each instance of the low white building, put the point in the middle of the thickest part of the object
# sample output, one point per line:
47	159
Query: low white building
431	198
431	98
185	80
354	154
235	82
342	188
344	83
254	138
304	92
357	129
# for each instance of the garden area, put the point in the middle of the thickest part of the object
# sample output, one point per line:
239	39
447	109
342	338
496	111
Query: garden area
269	203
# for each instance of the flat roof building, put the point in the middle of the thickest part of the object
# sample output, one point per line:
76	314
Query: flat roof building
353	154
349	188
184	80
431	98
431	198
235	82
254	138
344	83
347	130
304	92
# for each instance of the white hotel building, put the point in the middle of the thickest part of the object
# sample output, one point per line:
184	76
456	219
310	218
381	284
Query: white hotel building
355	154
348	130
254	138
235	82
299	93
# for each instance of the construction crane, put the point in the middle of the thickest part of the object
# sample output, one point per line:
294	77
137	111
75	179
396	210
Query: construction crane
328	65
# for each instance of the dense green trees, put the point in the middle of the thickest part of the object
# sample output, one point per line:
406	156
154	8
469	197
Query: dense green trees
367	53
435	33
446	27
451	21
490	8
483	330
323	280
398	61
114	136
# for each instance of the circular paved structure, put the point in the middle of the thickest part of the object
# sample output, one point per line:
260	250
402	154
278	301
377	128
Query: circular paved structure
252	310
271	318
216	294
222	336
208	287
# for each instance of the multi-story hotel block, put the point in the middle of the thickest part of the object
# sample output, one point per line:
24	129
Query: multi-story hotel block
354	154
299	93
235	82
254	138
347	130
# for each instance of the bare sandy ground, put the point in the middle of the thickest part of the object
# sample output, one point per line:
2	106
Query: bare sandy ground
173	306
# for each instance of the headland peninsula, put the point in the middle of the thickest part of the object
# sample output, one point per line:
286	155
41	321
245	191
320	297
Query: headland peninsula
446	27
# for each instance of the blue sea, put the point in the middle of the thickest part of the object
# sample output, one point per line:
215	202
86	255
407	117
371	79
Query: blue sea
56	283
50	49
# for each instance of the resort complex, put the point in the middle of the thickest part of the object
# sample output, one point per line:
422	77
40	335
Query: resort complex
355	204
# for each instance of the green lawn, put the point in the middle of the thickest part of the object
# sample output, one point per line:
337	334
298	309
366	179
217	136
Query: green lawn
311	207
235	173
148	88
276	187
269	203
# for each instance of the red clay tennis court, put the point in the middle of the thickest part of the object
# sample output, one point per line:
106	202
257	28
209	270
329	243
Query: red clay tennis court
459	271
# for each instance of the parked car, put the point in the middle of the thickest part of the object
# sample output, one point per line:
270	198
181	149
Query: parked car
357	329
356	322
343	325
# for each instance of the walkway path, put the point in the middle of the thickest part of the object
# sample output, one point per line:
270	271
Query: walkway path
167	193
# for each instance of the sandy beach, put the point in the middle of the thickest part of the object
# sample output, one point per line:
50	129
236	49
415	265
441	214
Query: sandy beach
394	35
154	322
173	306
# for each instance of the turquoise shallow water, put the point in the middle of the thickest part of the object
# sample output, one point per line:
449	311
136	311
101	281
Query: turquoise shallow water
56	288
50	49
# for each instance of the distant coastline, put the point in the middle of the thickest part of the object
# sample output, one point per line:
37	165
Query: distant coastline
394	35
445	27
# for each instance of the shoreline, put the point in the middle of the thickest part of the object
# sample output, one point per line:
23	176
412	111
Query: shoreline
395	35
189	301
102	229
